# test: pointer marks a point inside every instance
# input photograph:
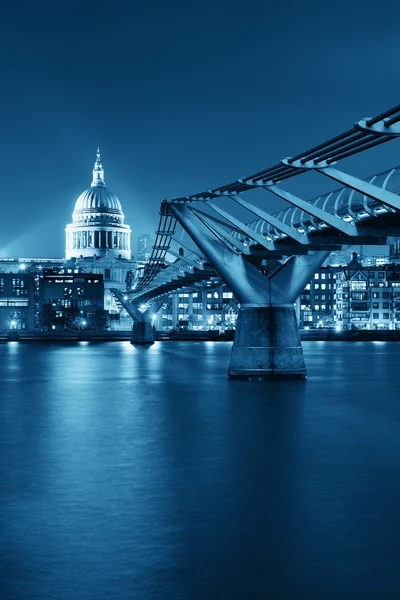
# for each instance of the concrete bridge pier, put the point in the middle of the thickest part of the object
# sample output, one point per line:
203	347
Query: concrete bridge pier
267	344
143	333
267	340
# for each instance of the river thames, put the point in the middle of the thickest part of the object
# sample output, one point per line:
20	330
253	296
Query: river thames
146	474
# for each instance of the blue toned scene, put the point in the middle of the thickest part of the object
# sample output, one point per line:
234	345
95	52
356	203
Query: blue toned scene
199	301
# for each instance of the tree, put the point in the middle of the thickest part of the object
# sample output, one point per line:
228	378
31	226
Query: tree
101	320
47	316
71	319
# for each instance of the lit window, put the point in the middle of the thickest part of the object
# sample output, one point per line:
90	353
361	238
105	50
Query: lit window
316	276
323	286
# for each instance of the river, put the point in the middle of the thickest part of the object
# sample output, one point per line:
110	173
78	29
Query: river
132	473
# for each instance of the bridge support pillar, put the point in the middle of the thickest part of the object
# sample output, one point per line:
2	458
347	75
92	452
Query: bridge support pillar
267	339
142	333
267	344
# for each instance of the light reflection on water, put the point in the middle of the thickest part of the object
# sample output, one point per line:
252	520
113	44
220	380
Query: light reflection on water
145	473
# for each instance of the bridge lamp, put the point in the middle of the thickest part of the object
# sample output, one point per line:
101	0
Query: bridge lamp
84	323
153	318
22	267
338	327
142	307
125	297
13	324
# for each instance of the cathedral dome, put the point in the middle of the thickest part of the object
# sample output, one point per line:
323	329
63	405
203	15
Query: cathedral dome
97	199
97	227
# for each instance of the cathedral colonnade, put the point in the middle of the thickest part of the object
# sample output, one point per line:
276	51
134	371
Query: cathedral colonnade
98	238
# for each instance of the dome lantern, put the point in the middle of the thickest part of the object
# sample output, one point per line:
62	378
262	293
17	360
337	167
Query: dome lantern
98	172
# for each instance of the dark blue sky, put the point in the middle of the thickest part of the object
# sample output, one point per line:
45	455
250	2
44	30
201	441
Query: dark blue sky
180	97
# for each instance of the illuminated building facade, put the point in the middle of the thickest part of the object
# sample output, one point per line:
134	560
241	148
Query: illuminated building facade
144	247
98	241
17	301
368	297
71	300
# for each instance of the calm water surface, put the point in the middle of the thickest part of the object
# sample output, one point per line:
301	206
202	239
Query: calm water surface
146	474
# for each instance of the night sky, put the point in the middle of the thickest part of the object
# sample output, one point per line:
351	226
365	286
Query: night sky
180	97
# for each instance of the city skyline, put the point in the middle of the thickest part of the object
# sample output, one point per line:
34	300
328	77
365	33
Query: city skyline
209	112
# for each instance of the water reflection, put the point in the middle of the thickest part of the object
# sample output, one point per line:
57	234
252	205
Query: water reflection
148	474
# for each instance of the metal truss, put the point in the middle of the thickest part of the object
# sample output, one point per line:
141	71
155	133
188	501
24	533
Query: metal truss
363	211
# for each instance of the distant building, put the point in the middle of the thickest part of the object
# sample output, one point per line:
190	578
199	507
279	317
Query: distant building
144	247
70	300
338	258
368	297
211	306
98	240
17	301
316	304
394	253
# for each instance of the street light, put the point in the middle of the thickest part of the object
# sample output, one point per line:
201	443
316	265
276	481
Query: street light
13	324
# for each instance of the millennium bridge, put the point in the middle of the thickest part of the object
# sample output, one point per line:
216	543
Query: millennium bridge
267	261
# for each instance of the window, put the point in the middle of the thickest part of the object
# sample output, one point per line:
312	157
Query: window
107	273
323	307
385	294
227	295
323	276
323	286
317	286
381	275
372	275
385	305
323	297
375	316
375	294
316	307
216	295
316	276
359	285
316	296
375	305
386	315
209	295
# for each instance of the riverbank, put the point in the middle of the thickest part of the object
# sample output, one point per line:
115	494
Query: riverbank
193	336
